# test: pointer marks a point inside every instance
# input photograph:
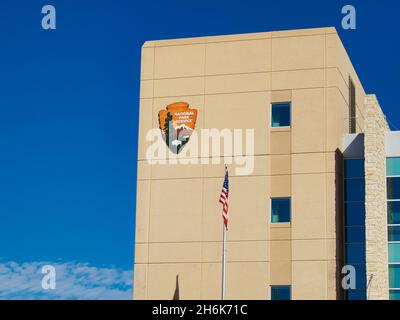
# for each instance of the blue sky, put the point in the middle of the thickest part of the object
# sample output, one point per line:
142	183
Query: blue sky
69	111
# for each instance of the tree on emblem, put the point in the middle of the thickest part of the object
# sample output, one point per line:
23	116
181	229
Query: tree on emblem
168	119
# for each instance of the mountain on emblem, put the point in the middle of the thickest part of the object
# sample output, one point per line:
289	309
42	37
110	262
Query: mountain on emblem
177	123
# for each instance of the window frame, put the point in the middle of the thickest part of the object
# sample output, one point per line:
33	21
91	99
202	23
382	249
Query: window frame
290	210
387	189
347	205
387	212
392	264
390	225
391	175
392	290
280	286
290	115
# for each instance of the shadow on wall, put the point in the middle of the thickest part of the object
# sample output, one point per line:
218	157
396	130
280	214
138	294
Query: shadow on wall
176	293
339	213
353	146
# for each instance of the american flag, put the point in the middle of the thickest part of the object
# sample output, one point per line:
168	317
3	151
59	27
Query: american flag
223	198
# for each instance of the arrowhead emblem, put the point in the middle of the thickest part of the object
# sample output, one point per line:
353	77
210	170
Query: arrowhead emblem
177	123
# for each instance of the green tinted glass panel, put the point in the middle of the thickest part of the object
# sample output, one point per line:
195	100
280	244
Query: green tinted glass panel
394	276
394	233
393	166
394	252
394	294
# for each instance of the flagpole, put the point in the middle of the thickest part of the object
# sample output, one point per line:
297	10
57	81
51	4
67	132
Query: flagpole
223	262
224	200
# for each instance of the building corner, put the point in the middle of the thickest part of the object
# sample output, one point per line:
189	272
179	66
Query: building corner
375	196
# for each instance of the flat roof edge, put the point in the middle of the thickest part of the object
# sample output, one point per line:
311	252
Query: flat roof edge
240	36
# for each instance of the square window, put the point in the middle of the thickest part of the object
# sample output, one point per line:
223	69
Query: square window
394	276
280	293
394	252
355	234
356	295
393	212
354	168
394	295
280	114
393	188
354	190
393	166
280	210
394	233
355	253
361	276
355	214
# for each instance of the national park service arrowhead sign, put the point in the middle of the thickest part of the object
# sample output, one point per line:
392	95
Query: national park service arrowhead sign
177	123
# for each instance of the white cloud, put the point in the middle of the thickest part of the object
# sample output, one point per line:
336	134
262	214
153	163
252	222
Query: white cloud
73	281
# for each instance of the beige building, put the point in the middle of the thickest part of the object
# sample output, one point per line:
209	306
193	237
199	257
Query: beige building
291	225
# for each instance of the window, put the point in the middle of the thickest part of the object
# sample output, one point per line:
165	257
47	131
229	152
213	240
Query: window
280	114
393	212
352	107
394	252
394	233
361	279
361	283
354	168
357	214
354	226
393	166
355	253
393	218
280	210
354	180
394	295
393	188
355	234
356	295
355	190
280	293
394	276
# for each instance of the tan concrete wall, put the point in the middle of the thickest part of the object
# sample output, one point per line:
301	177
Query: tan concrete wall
232	80
375	202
